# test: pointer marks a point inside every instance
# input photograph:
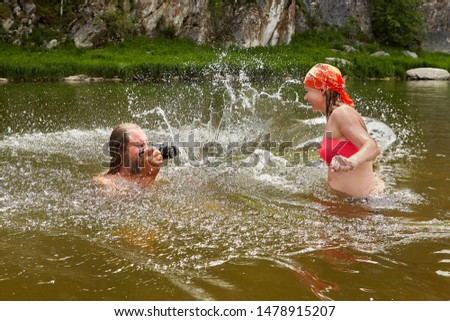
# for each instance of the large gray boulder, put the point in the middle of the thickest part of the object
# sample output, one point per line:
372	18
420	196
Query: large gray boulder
427	74
85	35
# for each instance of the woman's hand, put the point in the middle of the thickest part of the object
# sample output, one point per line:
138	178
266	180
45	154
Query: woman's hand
342	164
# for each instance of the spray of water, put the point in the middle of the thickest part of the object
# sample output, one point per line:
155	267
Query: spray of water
205	214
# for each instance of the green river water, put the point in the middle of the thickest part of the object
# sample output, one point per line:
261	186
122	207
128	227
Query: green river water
233	221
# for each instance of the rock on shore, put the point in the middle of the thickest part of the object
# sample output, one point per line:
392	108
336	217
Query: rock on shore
427	74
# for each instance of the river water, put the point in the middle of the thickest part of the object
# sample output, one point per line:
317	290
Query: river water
243	214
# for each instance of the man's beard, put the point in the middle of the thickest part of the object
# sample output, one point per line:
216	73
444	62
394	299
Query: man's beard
135	166
135	169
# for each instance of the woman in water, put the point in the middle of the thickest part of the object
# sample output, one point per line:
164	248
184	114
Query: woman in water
346	147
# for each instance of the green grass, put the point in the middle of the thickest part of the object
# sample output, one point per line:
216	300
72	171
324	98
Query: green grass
143	59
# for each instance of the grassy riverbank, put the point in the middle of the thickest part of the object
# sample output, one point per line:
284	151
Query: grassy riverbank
143	59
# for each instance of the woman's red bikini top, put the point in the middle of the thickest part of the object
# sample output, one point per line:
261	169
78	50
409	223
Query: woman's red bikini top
331	147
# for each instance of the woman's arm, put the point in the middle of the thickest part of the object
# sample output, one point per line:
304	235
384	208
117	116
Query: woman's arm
349	124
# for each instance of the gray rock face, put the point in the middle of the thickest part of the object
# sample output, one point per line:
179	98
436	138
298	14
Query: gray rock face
84	35
437	21
29	8
335	13
7	24
187	18
258	23
427	74
242	23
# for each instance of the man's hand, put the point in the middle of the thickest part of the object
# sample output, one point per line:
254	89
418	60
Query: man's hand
152	162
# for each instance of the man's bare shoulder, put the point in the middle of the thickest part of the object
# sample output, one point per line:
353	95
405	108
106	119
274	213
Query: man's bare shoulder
118	183
108	181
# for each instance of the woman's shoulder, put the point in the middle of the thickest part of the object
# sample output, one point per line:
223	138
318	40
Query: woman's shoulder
344	113
344	109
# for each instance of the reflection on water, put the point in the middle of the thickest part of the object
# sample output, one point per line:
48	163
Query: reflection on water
251	223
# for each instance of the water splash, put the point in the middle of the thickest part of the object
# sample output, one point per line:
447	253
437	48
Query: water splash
200	219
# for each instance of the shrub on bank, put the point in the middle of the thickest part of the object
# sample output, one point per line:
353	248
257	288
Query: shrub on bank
143	59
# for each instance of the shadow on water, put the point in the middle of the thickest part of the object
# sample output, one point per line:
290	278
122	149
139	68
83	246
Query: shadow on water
226	222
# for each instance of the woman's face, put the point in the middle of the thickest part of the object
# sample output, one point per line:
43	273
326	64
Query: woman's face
316	97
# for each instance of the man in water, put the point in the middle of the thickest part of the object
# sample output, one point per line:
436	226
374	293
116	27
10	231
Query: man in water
131	159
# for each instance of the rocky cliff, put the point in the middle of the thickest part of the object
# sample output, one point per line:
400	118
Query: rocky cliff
437	21
243	23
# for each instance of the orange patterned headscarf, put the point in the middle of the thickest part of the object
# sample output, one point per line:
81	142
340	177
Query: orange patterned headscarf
327	77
